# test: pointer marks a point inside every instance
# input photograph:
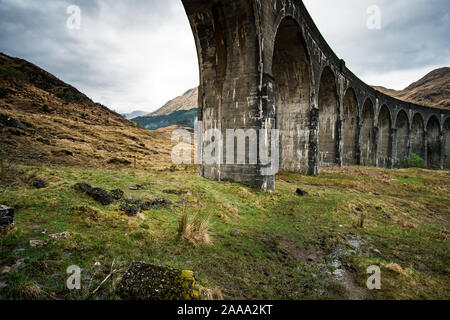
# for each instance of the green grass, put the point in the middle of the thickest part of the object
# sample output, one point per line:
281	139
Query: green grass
407	221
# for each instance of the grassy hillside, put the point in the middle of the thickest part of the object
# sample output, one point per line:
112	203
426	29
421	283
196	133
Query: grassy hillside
44	120
264	245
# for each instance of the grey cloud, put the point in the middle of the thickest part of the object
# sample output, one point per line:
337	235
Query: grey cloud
137	54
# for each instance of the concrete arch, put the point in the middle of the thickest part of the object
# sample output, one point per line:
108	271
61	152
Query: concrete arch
402	138
367	133
418	136
328	119
292	87
384	137
433	143
446	136
350	128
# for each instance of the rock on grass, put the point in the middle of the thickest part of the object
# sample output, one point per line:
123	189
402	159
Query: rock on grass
144	281
6	216
39	183
98	194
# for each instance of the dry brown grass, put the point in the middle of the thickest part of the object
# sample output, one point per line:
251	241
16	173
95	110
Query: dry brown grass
195	229
80	133
31	291
212	294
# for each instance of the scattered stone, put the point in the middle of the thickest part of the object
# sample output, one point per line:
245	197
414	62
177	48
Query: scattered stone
311	258
38	243
63	235
11	122
376	251
301	192
117	194
144	281
6	216
132	207
137	187
83	187
155	203
39	183
101	196
98	194
235	233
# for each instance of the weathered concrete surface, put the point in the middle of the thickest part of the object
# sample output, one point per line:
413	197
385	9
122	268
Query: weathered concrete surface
418	136
265	65
446	141
350	139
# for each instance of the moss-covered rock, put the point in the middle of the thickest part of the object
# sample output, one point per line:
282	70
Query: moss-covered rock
144	281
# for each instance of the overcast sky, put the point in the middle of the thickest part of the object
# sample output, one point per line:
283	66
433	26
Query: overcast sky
138	54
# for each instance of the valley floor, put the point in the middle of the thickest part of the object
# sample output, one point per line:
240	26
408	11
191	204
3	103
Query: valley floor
265	245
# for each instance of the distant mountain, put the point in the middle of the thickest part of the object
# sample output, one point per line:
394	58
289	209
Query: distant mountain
133	114
433	90
44	120
181	111
187	101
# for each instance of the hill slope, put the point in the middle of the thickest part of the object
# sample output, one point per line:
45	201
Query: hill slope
181	111
432	90
43	119
185	102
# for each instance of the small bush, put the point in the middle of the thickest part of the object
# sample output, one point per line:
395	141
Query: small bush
366	162
415	161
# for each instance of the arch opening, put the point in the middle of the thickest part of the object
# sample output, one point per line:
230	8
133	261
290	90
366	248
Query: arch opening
417	136
433	144
384	137
328	116
292	74
350	128
367	134
447	144
402	140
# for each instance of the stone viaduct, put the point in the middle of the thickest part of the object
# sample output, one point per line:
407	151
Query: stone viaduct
264	64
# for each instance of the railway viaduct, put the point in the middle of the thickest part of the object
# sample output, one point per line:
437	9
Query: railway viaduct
264	64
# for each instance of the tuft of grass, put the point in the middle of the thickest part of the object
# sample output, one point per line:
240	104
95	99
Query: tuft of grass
194	230
30	291
212	294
